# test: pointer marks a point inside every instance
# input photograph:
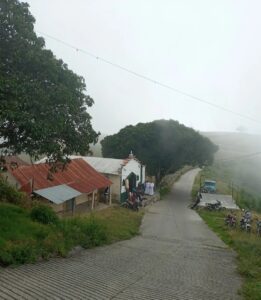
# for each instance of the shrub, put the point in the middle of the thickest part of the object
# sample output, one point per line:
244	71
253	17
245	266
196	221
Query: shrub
18	252
89	232
164	190
11	195
44	214
94	232
54	245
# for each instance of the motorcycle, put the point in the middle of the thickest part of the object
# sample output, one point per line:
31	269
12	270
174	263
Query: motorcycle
258	228
245	224
130	205
231	220
214	206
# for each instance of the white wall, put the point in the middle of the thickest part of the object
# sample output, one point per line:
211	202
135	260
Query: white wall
135	167
143	179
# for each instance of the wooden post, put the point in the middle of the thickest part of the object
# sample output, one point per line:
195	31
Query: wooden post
92	200
110	196
73	206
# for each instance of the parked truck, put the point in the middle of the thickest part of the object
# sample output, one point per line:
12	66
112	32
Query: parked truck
209	186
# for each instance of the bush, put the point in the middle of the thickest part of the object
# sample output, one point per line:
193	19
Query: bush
95	233
18	252
88	232
22	240
164	190
44	214
11	195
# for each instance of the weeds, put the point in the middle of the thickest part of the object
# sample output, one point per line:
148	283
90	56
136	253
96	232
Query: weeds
23	240
248	248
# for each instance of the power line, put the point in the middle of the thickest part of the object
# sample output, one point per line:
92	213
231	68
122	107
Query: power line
139	75
246	156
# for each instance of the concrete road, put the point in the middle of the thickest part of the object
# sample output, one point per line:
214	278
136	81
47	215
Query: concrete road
175	257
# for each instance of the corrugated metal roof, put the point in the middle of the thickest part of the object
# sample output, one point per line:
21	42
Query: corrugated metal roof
58	194
78	174
103	165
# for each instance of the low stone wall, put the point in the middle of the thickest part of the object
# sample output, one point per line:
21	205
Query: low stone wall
151	199
168	180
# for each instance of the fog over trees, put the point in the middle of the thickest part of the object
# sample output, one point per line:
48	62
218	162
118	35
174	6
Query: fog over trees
163	145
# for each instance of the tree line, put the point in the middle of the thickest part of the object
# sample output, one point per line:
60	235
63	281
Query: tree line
163	145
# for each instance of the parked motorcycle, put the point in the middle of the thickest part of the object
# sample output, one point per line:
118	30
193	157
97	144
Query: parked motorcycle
258	228
130	205
245	224
214	206
231	220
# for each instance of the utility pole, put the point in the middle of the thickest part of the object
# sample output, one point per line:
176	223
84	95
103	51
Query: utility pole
200	181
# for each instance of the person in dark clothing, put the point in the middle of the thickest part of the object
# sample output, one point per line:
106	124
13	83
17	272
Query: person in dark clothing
199	196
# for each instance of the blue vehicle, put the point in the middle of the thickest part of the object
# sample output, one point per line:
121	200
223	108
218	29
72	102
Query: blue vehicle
209	186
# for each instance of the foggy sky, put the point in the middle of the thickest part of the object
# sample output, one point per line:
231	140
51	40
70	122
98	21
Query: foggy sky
211	49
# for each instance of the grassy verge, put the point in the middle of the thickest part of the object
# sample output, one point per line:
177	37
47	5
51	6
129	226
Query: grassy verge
224	180
248	248
23	240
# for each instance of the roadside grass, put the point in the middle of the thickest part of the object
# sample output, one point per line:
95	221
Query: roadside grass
247	246
224	180
164	191
23	240
121	223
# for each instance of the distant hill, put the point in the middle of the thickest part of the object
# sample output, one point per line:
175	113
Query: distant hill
237	151
233	144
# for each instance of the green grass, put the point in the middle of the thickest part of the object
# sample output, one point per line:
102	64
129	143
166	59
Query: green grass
164	191
248	248
23	240
223	181
121	223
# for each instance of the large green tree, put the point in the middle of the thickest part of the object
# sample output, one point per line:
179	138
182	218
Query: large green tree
164	146
42	103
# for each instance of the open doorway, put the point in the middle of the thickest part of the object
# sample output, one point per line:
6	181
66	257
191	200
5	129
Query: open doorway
132	181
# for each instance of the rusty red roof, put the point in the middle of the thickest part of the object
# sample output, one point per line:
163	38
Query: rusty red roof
77	174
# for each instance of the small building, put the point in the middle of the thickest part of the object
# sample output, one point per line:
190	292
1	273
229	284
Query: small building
66	188
121	172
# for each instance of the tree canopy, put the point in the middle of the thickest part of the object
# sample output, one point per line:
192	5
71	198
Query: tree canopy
164	146
42	103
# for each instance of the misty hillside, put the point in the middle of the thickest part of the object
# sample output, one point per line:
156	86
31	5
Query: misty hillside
233	145
237	157
97	149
